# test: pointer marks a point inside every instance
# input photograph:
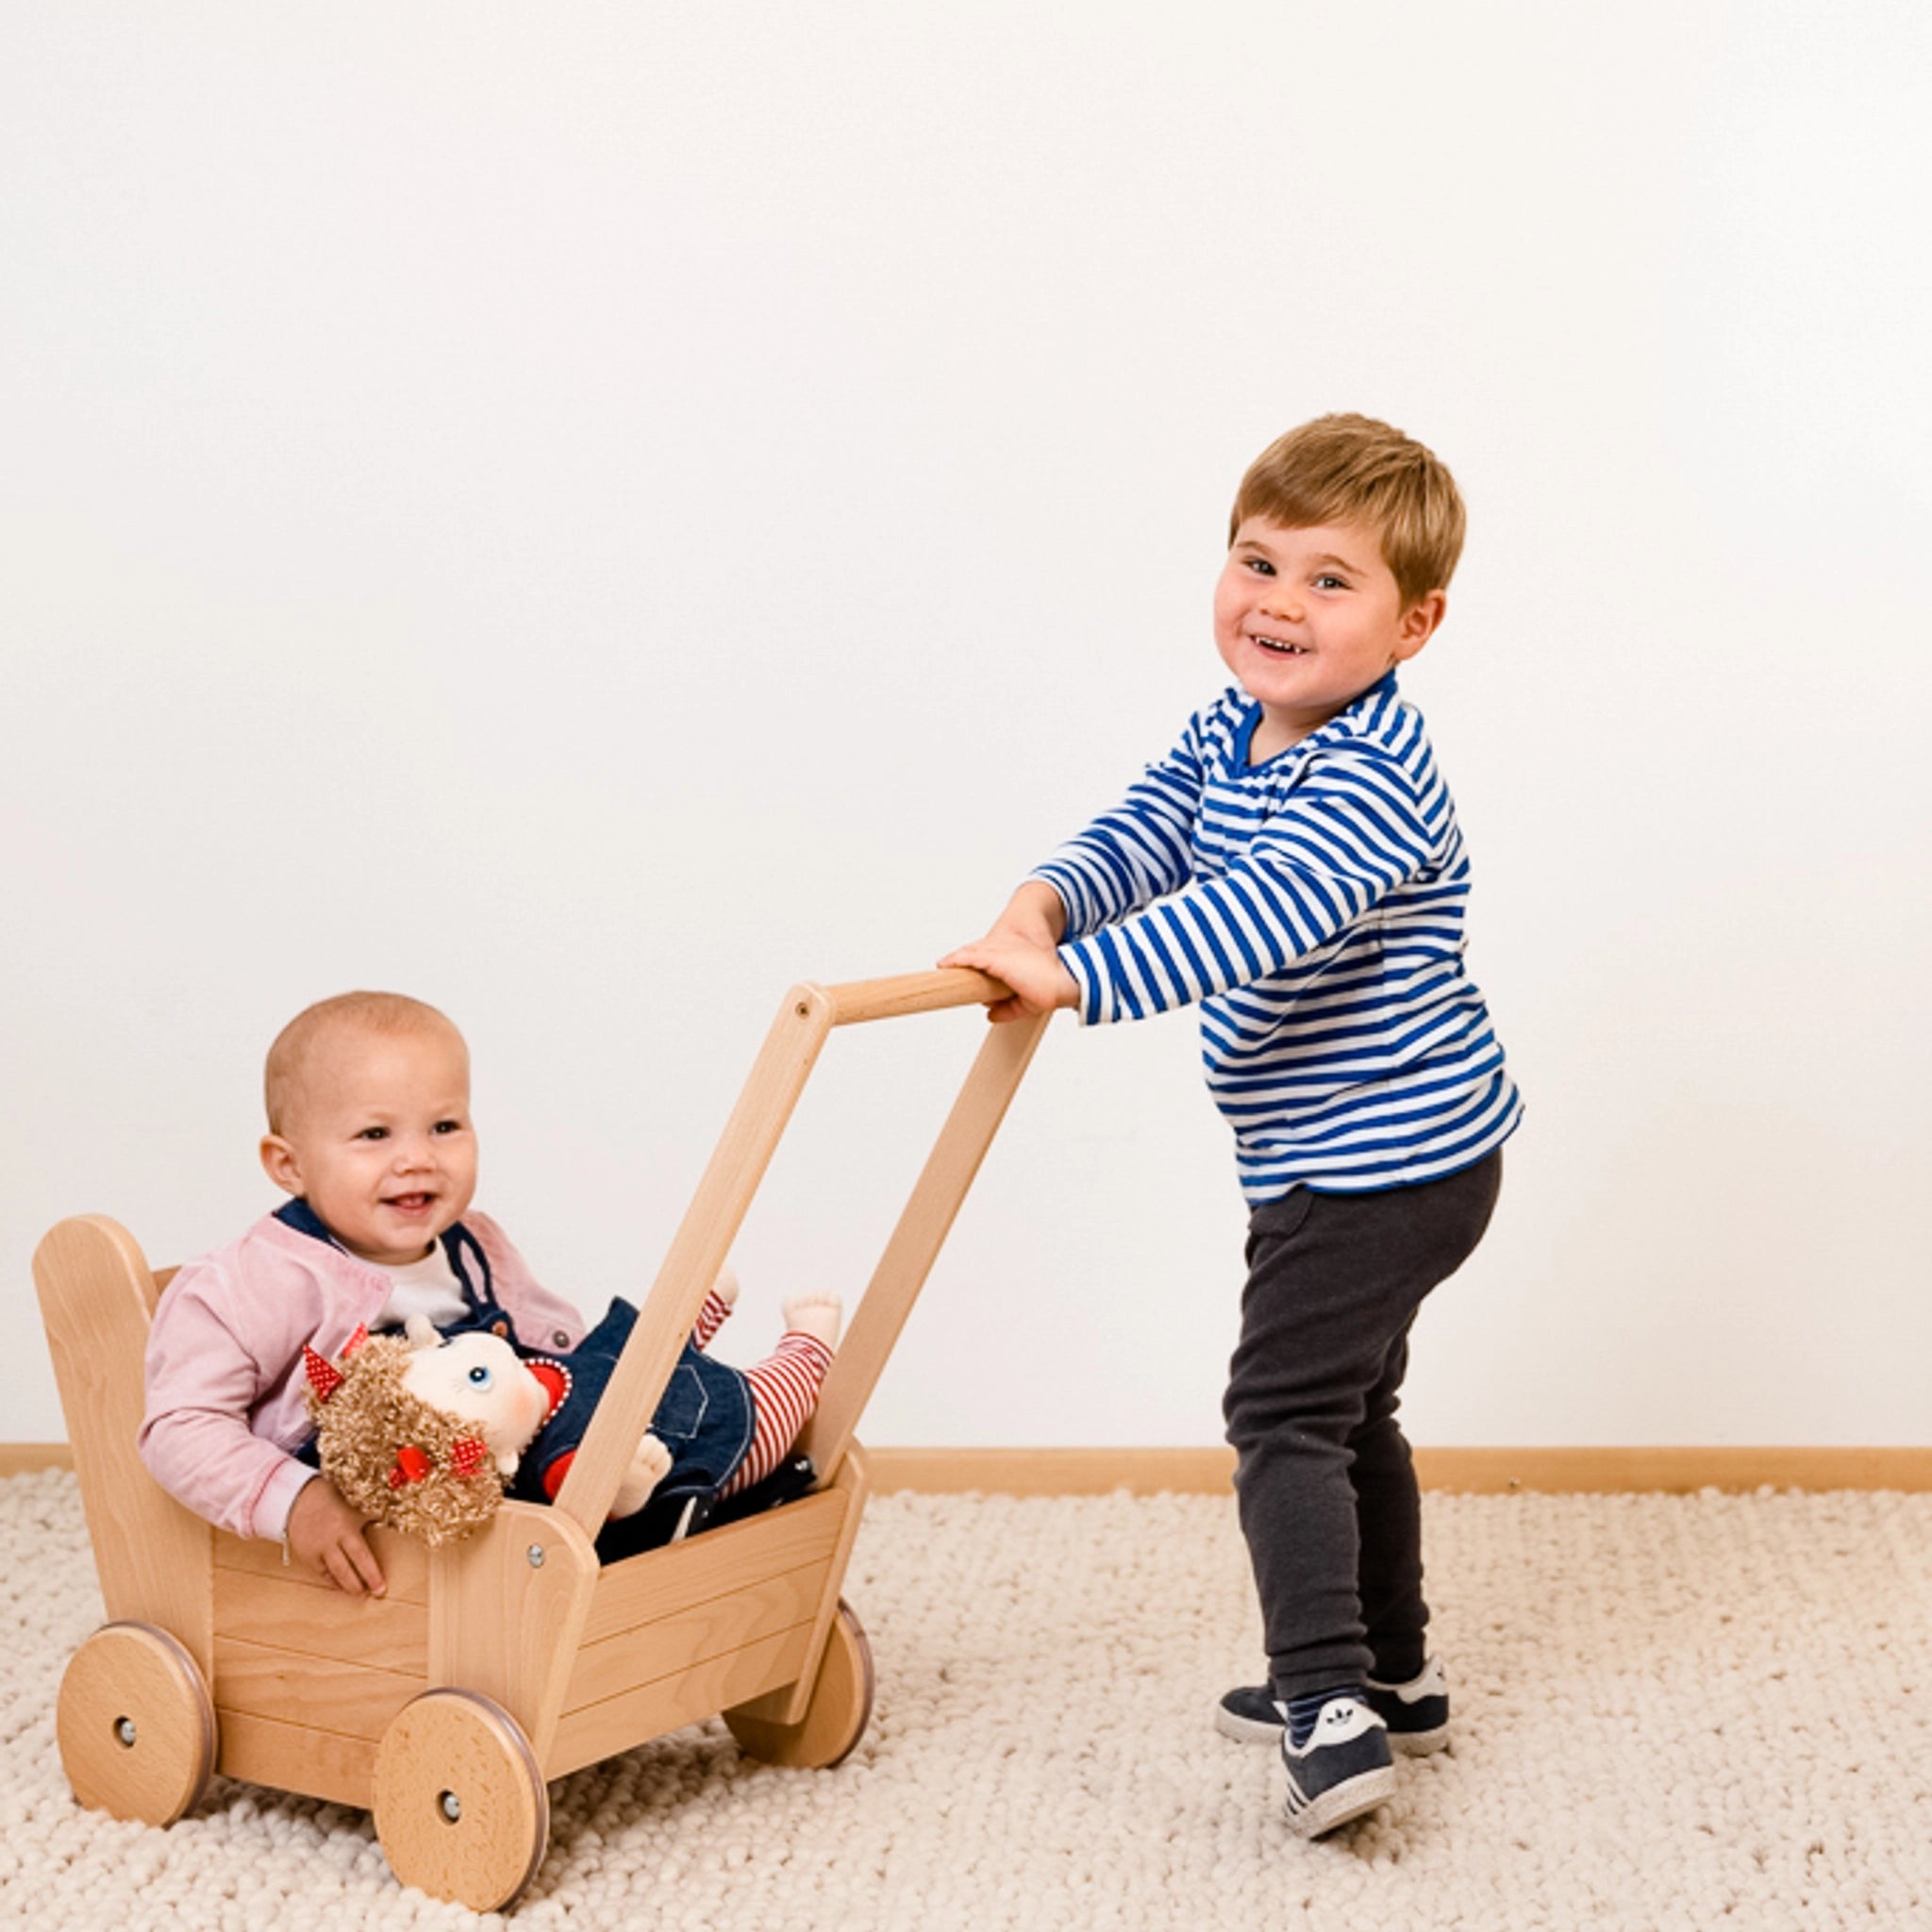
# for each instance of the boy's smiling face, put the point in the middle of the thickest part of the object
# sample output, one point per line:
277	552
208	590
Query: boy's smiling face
379	1138
1307	619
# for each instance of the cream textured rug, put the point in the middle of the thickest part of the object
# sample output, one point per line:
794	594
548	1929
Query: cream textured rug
1700	1712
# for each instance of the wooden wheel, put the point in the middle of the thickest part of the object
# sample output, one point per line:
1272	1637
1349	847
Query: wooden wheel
461	1803
135	1726
835	1718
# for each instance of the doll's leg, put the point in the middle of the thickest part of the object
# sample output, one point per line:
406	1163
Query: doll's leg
719	1302
785	1389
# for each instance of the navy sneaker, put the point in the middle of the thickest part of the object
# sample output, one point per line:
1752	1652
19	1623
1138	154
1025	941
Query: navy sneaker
1340	1770
1416	1713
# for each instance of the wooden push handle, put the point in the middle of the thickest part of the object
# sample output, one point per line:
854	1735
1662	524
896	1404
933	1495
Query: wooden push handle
912	993
806	1018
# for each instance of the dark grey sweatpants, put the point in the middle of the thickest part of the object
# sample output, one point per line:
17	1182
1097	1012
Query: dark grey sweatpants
1326	1490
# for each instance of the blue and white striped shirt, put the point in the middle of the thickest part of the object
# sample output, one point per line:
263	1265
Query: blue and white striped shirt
1313	906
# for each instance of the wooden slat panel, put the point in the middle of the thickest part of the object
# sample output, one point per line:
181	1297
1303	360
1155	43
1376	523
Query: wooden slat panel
694	1636
287	1614
404	1565
661	1582
290	1757
622	1722
313	1693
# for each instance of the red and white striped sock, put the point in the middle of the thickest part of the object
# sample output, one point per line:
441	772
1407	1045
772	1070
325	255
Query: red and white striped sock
784	1390
710	1319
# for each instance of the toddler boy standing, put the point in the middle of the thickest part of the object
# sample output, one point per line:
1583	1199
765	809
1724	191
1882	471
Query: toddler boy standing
1294	866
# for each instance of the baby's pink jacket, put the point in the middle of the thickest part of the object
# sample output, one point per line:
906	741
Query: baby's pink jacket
224	1380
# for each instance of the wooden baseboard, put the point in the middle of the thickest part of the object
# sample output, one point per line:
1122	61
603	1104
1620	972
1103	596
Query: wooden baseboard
1462	1472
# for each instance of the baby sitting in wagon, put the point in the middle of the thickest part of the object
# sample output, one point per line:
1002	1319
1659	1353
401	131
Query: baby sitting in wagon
370	1134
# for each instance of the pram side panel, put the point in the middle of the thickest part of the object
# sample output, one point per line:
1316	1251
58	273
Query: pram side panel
682	1633
152	1555
306	1680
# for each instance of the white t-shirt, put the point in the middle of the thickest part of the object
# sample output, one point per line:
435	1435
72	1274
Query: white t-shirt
428	1286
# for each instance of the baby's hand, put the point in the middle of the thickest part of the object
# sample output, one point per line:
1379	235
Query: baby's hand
1032	968
327	1535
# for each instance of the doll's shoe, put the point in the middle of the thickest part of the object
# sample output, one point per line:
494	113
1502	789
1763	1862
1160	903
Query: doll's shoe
1416	1713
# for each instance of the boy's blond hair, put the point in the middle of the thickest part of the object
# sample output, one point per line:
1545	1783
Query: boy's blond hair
369	1012
1350	468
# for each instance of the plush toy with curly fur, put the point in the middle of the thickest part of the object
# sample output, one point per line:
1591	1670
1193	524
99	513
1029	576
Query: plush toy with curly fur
397	1458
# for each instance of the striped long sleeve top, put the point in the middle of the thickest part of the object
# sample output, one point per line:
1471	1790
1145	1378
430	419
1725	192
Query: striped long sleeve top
1312	906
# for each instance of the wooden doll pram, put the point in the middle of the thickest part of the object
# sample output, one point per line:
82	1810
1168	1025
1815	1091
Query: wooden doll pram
496	1664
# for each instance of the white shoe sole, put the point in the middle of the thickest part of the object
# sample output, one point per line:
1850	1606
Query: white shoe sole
1245	1730
1339	1804
1248	1730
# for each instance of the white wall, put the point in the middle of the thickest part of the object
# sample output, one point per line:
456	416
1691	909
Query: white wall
592	514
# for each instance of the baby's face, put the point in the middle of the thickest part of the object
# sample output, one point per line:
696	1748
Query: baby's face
377	1138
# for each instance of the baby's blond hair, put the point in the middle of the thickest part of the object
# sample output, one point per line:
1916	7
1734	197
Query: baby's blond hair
294	1046
1351	468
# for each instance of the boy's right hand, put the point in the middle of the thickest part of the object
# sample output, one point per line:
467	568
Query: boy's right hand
325	1534
1035	914
1022	949
1040	984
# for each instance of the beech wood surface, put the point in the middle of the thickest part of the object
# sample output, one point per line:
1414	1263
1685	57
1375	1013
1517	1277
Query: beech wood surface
732	1622
665	1582
404	1561
135	1726
153	1557
330	1765
507	1628
460	1806
834	1714
687	1695
852	1483
893	998
383	1633
316	1693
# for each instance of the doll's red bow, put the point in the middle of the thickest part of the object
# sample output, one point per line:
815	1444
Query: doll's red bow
413	1464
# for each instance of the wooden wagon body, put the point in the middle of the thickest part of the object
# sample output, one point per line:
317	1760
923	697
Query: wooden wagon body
494	1665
